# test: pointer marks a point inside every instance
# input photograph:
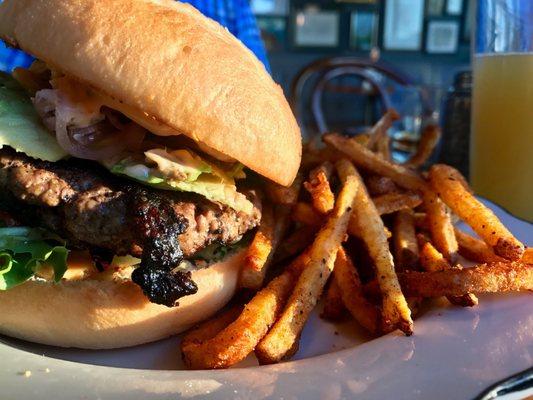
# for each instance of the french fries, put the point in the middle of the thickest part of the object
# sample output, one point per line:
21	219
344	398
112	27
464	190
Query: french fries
392	202
347	279
449	184
429	139
380	129
233	343
475	249
284	195
261	251
484	278
334	309
431	260
287	329
440	226
404	239
370	161
423	238
371	229
319	188
307	215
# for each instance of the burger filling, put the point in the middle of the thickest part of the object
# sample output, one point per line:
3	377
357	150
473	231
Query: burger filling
79	174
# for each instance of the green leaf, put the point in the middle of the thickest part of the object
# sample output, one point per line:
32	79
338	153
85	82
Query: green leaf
23	251
20	125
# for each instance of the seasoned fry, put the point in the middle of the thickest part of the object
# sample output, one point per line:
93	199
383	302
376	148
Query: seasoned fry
392	202
306	214
380	129
431	260
334	309
362	138
346	277
509	276
295	243
484	278
370	161
260	252
286	331
371	229
528	256
378	185
233	343
383	148
429	139
284	195
449	184
475	249
440	226
404	240
319	188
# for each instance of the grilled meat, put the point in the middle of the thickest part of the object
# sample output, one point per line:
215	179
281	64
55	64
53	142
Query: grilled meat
92	209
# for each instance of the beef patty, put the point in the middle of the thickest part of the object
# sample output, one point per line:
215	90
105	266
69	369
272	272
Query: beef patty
89	206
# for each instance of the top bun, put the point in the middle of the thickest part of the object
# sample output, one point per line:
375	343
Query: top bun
166	60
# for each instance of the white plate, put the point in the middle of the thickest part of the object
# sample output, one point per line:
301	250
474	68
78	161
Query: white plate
455	353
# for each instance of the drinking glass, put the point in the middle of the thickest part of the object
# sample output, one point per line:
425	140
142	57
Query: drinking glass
501	147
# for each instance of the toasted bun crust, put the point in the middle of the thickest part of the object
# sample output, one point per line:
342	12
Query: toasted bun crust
91	313
166	59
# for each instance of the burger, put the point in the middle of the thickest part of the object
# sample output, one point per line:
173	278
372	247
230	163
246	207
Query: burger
131	154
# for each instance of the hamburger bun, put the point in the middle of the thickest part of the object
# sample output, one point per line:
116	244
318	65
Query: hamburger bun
165	65
102	311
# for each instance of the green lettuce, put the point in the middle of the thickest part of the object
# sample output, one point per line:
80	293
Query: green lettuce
20	125
182	170
23	251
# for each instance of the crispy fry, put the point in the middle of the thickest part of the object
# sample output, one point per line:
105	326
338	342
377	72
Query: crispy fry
484	278
306	214
449	184
380	129
429	139
371	229
334	309
378	185
366	159
233	343
295	243
421	222
260	252
528	256
392	202
475	249
286	331
440	226
432	261
509	276
404	239
362	138
319	188
383	148
284	195
346	277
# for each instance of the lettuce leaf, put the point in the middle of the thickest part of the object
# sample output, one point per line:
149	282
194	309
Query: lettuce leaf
182	170
23	251
21	127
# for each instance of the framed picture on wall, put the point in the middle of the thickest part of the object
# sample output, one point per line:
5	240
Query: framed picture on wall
270	7
442	36
434	8
454	7
403	25
314	27
363	29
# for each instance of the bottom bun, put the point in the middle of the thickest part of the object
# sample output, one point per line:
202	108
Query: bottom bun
104	312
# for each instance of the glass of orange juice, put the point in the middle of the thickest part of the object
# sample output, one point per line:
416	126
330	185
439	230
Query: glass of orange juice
501	148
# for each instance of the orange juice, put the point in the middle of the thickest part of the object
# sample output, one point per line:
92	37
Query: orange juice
501	148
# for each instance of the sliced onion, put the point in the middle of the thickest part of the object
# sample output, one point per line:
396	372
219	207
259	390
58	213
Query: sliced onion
89	136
